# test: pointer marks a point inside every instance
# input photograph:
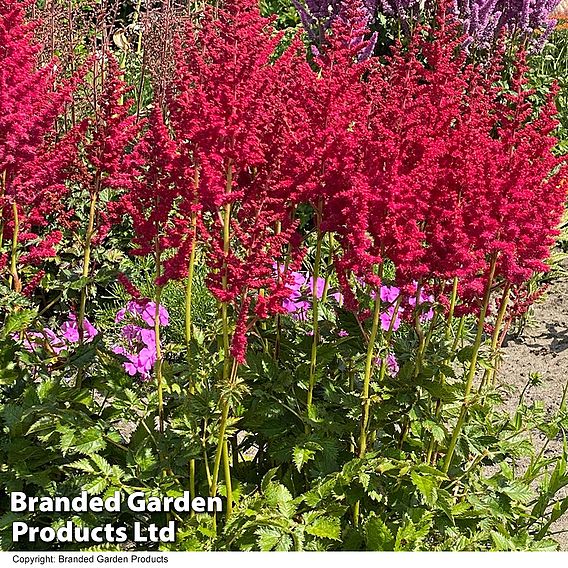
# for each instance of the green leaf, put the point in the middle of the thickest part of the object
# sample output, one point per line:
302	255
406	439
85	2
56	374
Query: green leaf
96	486
377	535
17	321
280	498
325	527
426	486
273	538
301	456
83	465
102	464
519	492
501	542
87	442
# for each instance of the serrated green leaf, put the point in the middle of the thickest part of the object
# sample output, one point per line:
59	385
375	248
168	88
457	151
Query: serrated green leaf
83	465
17	321
96	486
301	456
377	535
501	542
519	492
426	486
273	538
325	527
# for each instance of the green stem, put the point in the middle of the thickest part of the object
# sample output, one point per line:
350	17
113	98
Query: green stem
87	260
189	283
473	366
228	482
3	177
367	377
419	332
220	444
328	272
438	407
15	279
315	310
489	375
158	364
188	333
366	402
226	346
226	248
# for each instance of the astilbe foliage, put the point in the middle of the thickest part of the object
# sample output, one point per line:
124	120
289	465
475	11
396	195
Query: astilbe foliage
33	159
229	119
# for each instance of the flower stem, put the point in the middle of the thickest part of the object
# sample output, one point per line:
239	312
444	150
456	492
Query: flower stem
158	364
489	375
87	260
226	248
189	284
227	380
472	368
228	482
220	444
438	406
315	311
15	279
329	266
188	332
366	404
3	177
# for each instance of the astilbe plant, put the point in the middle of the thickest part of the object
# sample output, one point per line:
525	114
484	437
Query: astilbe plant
228	116
33	159
110	128
151	180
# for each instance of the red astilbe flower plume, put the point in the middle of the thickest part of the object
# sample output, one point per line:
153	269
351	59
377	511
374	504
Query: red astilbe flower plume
110	130
528	194
445	176
33	162
152	182
329	132
416	98
229	117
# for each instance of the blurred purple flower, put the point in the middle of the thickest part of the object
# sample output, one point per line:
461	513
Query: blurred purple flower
389	294
319	288
139	341
392	365
145	309
391	362
388	318
62	341
70	329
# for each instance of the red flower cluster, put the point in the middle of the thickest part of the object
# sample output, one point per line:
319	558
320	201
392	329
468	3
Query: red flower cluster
33	163
420	159
231	119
